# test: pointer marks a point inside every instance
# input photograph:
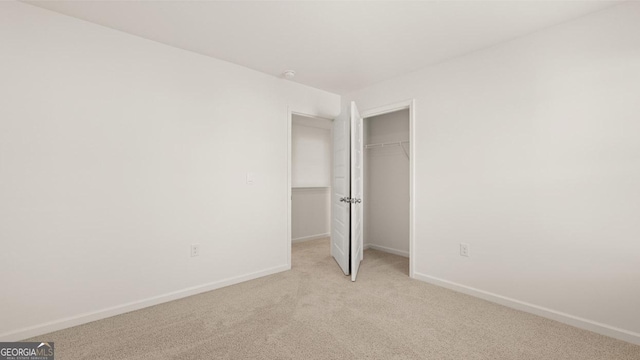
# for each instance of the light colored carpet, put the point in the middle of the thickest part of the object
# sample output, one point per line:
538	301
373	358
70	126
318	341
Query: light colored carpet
315	312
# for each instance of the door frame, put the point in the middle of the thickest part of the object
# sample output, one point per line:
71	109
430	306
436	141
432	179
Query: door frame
402	105
290	113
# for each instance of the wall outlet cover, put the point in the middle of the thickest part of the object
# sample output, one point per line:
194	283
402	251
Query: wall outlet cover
464	249
195	250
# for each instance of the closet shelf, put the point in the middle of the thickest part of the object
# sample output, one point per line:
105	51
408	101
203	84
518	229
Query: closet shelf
387	144
393	143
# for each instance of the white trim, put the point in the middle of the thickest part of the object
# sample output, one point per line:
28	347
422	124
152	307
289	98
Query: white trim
311	237
76	320
412	187
381	110
289	193
389	250
565	318
411	105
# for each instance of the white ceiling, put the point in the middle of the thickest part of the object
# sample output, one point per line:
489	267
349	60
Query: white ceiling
339	46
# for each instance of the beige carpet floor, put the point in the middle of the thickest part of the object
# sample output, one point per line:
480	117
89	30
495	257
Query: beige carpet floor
315	312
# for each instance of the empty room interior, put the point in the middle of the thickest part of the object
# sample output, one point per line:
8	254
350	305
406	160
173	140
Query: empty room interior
320	179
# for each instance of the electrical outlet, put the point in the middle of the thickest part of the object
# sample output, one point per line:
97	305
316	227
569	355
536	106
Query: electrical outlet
195	250
464	249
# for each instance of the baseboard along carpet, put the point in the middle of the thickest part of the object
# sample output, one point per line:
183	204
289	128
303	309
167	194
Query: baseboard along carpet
315	312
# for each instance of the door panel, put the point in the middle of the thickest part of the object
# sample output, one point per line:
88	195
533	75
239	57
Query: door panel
346	202
356	161
341	187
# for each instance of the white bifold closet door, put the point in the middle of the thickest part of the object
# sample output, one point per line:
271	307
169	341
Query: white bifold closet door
347	191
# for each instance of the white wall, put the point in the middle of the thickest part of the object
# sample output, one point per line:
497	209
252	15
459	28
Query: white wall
310	213
530	152
310	178
116	154
386	205
310	152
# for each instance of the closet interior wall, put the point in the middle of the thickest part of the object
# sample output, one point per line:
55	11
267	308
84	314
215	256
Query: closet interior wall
311	147
386	182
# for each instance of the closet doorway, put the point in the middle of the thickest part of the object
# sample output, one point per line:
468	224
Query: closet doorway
370	189
388	180
310	169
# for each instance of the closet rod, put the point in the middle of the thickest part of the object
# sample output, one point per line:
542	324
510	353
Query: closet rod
395	143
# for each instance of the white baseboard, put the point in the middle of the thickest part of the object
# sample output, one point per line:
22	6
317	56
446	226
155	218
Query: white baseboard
311	237
565	318
80	319
387	250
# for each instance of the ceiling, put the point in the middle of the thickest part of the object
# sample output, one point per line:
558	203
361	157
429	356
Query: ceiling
338	46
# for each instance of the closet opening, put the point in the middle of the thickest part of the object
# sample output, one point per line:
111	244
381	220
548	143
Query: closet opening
311	151
322	154
387	183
